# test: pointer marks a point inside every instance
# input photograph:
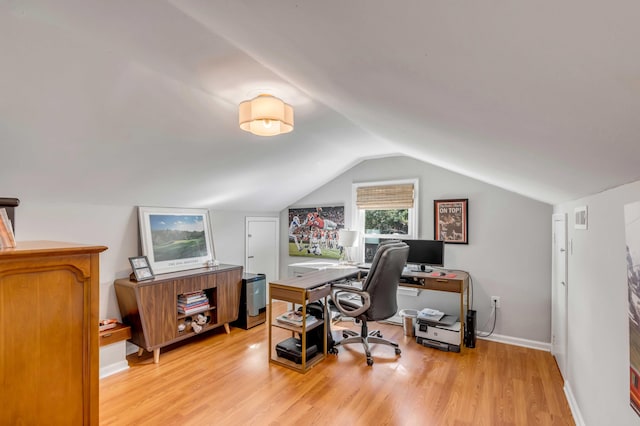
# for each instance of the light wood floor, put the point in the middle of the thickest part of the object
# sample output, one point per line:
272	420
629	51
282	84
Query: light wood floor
220	379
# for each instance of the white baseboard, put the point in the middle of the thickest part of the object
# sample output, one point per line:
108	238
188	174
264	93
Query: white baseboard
131	348
573	405
116	367
533	344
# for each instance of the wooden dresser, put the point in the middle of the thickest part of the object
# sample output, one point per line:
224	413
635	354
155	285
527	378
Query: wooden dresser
49	300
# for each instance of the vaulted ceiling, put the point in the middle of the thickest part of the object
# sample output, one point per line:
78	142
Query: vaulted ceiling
135	102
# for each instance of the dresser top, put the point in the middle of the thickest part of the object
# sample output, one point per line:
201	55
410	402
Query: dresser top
39	248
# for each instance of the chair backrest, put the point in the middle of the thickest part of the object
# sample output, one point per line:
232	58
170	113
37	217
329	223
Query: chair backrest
382	280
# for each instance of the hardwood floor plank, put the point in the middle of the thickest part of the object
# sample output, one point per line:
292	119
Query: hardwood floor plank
226	379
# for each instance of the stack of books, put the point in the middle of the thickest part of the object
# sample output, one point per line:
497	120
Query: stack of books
190	303
295	318
7	239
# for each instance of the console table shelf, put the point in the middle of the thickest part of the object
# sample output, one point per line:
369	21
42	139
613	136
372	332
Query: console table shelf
200	311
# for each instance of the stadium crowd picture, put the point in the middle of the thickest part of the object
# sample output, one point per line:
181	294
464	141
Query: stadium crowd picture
313	232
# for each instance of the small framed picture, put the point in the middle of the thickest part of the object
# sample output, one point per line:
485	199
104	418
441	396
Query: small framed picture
141	268
450	220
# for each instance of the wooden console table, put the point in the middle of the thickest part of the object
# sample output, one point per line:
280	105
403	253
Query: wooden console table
150	307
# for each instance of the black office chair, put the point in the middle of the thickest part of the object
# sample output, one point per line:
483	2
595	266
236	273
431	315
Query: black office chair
377	299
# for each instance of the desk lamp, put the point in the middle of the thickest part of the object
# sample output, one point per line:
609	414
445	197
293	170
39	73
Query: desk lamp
347	239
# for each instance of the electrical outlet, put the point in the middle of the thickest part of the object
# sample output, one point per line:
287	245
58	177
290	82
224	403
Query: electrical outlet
495	301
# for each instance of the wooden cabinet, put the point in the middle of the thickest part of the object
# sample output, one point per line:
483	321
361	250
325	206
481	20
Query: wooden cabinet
49	300
150	308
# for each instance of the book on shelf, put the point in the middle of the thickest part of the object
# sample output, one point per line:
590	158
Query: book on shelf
189	309
296	318
191	296
7	239
193	309
193	301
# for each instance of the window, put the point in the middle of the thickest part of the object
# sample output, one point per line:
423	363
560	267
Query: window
385	210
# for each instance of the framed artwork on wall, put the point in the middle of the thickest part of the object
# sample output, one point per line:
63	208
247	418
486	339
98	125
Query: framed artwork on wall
450	221
175	239
632	258
313	231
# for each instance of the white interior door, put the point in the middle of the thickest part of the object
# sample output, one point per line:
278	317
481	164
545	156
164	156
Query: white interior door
262	246
559	293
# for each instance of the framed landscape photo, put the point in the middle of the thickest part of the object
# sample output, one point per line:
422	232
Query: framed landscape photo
450	221
175	239
141	268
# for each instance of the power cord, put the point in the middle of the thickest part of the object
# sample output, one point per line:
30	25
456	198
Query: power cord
494	312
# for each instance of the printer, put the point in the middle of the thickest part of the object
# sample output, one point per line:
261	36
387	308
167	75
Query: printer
442	333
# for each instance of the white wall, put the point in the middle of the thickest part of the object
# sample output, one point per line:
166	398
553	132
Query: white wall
113	226
509	250
229	233
598	318
117	228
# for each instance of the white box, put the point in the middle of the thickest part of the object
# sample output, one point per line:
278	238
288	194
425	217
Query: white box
441	333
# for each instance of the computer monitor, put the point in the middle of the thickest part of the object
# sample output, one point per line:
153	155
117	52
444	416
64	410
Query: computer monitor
425	253
422	253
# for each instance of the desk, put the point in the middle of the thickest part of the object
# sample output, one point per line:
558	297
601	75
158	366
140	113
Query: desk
411	279
459	283
302	290
302	268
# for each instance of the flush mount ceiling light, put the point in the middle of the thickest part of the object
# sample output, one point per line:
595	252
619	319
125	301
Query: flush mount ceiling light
266	115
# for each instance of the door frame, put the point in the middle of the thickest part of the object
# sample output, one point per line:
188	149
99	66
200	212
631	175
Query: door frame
273	219
555	283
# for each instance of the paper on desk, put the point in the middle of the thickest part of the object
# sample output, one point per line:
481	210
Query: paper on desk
430	314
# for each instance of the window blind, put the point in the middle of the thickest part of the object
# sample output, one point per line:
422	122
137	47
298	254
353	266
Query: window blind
385	197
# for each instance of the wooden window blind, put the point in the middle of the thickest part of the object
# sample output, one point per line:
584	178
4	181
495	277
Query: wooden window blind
385	197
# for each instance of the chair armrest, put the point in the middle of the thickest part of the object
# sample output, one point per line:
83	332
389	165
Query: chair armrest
337	290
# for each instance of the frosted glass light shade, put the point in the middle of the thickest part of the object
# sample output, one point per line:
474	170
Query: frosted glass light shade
348	238
265	115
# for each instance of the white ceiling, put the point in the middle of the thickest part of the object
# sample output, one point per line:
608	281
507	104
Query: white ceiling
135	102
